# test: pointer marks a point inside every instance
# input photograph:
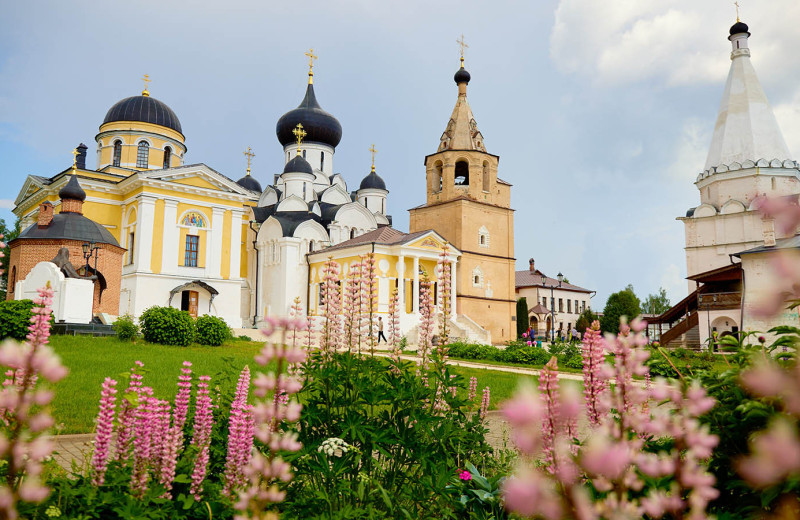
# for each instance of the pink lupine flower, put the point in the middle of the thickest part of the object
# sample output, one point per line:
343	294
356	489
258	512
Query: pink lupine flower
263	472
22	448
473	388
485	402
369	295
427	319
143	423
548	386
105	429
126	414
239	443
594	384
444	273
331	297
203	423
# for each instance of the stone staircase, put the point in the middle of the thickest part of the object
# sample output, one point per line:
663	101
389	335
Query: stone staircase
463	328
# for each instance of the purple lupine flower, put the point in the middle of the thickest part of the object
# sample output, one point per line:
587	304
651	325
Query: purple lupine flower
143	419
126	414
238	446
184	394
473	388
105	429
485	402
203	422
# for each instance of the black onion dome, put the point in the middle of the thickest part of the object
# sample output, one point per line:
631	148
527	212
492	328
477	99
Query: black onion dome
320	126
461	76
298	164
249	183
740	27
373	181
145	109
72	190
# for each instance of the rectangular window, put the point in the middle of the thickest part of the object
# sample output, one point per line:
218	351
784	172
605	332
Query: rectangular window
561	305
583	306
192	246
569	306
544	301
576	307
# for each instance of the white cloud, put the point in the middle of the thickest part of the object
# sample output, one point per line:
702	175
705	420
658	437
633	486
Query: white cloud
679	42
6	204
788	116
674	283
689	155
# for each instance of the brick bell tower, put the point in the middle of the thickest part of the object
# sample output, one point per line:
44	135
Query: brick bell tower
469	206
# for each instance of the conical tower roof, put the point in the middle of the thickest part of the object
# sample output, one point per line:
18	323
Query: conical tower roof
462	130
746	127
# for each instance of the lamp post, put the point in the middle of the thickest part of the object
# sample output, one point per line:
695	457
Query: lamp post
552	304
89	249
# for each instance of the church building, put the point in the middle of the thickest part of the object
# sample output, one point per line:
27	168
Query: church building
728	241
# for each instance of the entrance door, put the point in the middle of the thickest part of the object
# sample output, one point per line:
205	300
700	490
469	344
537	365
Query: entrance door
193	298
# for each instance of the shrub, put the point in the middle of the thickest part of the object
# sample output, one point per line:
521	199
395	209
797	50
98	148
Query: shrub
126	328
212	330
15	318
167	326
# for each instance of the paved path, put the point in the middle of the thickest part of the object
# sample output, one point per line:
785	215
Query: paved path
72	448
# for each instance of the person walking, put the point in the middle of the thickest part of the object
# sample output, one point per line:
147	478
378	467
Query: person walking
380	331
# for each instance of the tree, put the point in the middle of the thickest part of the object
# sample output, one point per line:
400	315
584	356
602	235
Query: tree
585	320
522	316
656	303
9	234
622	303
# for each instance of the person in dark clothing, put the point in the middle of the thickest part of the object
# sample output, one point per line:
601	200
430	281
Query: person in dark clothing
380	330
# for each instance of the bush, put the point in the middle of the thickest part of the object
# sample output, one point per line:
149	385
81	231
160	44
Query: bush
15	318
212	331
126	328
167	326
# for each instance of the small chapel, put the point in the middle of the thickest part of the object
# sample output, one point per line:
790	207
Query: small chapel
187	236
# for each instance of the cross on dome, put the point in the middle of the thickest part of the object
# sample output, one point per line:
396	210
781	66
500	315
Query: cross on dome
75	154
299	134
463	45
311	58
249	154
146	80
373	151
736	3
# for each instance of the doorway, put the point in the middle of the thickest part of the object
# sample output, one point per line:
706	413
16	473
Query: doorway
189	301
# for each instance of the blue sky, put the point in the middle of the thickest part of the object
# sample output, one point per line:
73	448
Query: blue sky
601	112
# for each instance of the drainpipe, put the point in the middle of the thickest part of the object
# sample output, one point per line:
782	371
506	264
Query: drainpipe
741	307
308	284
255	232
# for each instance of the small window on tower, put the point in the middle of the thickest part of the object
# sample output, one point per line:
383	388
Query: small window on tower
321	160
304	154
352	233
142	154
462	174
167	156
117	153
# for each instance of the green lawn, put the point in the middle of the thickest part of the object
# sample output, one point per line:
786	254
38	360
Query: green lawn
91	360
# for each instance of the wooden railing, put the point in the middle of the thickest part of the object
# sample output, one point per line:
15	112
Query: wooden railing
682	327
719	301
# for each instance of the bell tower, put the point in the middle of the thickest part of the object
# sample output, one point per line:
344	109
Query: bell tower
468	205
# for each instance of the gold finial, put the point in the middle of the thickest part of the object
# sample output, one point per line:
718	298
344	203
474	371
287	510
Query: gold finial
249	154
373	151
146	80
311	58
463	46
75	154
299	134
736	3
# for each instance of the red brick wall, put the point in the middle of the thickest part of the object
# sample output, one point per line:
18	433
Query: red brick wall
25	254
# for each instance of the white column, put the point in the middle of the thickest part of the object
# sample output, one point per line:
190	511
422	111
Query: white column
453	281
236	244
169	257
401	284
214	244
416	285
261	252
144	233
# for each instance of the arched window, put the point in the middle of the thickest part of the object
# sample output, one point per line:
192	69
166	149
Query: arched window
304	191
304	154
321	160
483	237
437	176
462	174
486	176
142	154
352	233
310	246
167	156
117	160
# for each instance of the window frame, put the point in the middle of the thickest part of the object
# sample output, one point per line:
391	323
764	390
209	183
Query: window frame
116	158
192	251
142	154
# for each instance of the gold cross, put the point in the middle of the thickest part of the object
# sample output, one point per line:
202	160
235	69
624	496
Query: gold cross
463	46
299	133
146	80
737	9
311	58
373	151
249	154
75	154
